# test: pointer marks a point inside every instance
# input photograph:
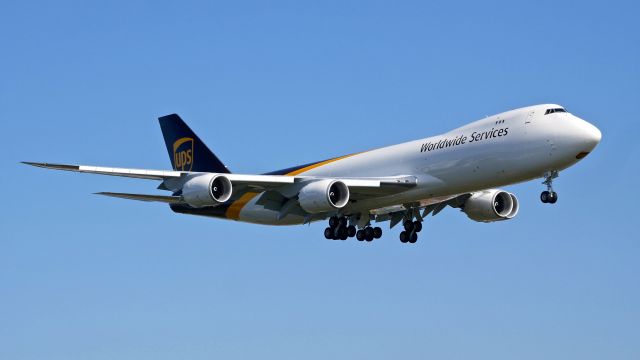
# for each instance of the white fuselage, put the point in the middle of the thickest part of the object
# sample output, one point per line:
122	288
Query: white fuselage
499	150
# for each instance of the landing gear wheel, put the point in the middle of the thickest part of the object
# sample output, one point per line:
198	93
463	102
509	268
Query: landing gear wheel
368	233
342	233
351	231
328	233
553	197
360	235
413	238
342	221
544	196
377	233
408	225
417	226
404	237
333	221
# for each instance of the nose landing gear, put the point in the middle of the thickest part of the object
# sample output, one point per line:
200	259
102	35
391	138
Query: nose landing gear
549	196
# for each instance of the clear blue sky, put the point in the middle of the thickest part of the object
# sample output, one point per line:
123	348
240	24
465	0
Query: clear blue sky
273	84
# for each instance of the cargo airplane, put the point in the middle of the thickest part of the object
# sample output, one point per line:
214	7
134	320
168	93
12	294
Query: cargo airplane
403	183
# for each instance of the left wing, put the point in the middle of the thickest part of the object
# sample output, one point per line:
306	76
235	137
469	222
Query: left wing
273	186
132	173
360	187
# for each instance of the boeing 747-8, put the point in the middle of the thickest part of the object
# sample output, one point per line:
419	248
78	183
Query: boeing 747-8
403	183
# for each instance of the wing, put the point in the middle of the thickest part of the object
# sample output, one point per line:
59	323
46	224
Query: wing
277	190
172	180
132	173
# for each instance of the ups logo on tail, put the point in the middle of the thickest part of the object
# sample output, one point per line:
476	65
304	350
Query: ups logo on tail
183	154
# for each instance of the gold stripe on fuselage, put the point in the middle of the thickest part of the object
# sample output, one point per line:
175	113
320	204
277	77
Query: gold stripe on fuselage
233	212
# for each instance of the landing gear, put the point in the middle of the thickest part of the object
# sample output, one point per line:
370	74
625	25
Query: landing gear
351	231
339	230
369	234
411	230
549	196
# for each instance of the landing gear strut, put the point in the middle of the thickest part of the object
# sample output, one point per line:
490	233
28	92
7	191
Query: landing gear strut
549	196
411	230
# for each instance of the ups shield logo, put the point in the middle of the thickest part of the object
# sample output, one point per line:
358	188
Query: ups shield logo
183	154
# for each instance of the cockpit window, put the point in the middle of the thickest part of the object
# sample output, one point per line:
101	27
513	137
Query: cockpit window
556	110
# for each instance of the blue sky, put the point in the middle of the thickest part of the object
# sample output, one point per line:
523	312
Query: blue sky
273	84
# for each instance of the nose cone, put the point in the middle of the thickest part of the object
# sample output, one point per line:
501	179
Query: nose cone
591	135
586	137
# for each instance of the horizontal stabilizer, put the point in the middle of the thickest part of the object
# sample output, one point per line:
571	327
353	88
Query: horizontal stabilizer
143	197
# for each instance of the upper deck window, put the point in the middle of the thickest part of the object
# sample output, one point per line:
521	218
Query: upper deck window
556	110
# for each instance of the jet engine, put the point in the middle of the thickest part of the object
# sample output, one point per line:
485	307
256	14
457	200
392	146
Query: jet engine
206	190
323	195
491	205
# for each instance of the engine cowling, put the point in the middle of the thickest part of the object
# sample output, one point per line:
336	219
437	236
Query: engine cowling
206	190
491	205
323	195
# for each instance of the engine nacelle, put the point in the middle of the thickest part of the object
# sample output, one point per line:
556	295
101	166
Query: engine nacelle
491	205
323	195
206	190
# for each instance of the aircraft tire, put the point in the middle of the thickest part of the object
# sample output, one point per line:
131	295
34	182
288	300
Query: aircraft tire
368	233
544	196
351	230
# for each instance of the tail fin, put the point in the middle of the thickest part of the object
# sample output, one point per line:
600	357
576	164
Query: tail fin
186	151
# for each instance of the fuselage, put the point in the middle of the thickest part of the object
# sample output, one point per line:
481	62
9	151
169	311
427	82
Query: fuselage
499	150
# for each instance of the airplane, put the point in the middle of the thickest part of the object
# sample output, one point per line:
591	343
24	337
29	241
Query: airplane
403	183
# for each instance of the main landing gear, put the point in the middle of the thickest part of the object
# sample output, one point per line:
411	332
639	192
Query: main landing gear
549	196
369	233
340	230
411	230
